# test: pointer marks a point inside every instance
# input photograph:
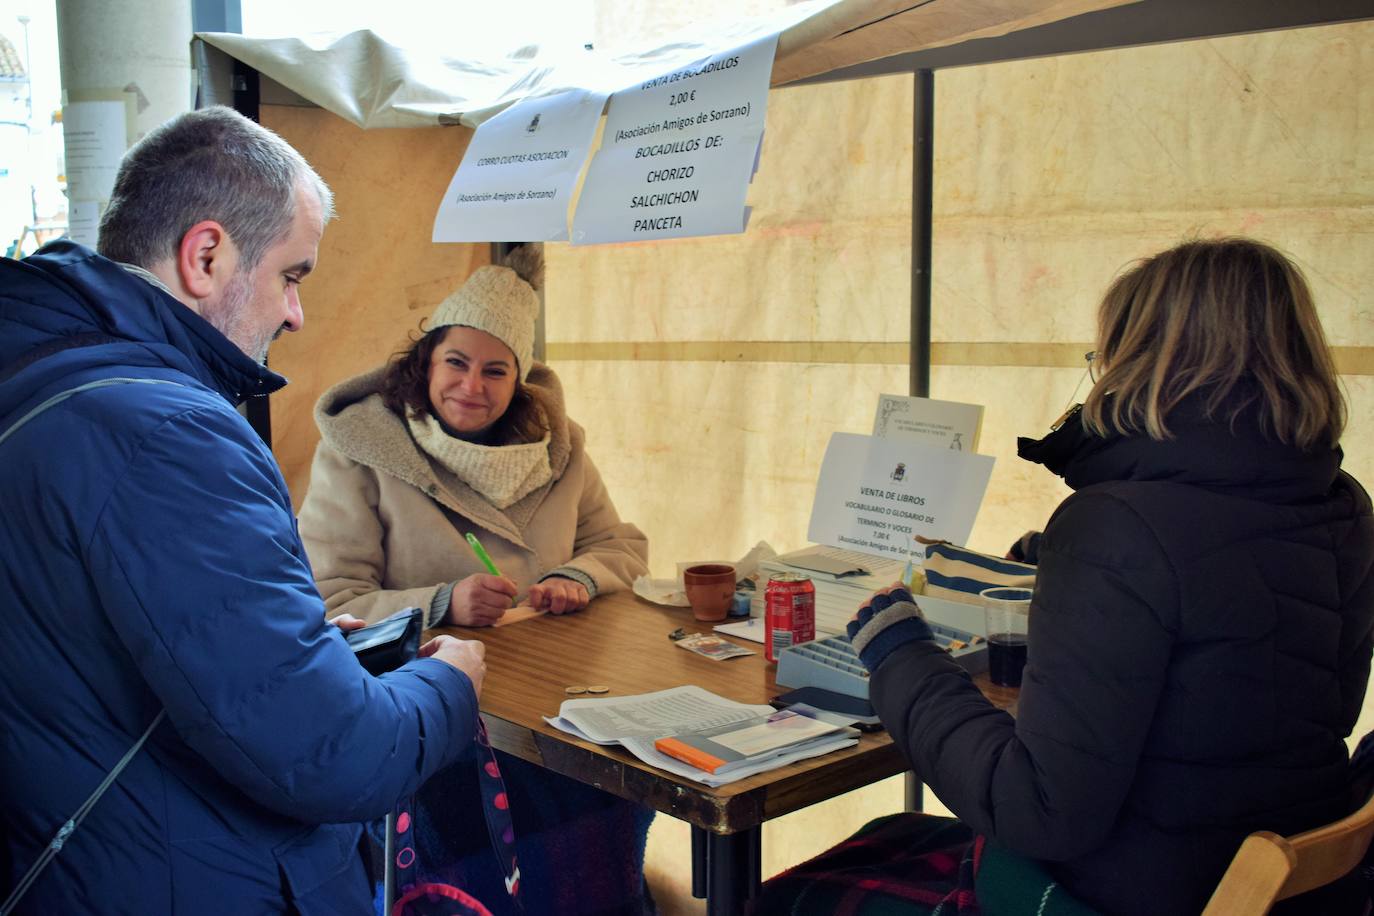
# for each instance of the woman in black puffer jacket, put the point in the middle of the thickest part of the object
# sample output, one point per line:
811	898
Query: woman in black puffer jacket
1201	628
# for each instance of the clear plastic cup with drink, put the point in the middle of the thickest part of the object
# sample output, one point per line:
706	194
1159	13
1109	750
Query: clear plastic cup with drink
1006	610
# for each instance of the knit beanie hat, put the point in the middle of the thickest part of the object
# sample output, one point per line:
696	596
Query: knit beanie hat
501	300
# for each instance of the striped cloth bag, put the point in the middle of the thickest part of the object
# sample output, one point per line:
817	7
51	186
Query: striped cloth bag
960	574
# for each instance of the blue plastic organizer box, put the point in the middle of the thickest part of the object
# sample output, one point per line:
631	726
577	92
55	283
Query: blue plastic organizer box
831	663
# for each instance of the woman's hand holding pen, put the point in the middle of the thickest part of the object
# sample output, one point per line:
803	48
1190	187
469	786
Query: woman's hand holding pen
558	595
480	600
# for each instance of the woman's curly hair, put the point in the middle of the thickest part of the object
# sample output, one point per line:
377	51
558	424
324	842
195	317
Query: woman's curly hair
405	387
405	391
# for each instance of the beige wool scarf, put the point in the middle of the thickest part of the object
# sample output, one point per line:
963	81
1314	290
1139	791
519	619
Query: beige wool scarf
502	474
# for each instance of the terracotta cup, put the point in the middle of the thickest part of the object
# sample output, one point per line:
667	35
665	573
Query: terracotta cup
710	590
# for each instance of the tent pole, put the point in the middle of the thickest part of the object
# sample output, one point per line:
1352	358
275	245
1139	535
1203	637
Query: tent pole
922	187
922	184
247	102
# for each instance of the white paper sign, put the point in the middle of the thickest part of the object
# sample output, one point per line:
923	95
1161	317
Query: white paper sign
942	424
94	140
875	495
678	151
83	222
517	176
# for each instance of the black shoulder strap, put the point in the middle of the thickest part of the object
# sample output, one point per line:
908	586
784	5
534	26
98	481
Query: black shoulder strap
66	830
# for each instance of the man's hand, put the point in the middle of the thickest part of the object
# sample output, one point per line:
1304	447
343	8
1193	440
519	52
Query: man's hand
467	655
558	595
348	623
480	600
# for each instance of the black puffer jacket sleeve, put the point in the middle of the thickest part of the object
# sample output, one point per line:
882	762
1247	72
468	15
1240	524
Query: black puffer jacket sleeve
1050	783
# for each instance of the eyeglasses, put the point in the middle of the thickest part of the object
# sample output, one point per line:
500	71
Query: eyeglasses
1070	408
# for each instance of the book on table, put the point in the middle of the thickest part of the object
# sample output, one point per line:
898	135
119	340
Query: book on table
727	748
637	722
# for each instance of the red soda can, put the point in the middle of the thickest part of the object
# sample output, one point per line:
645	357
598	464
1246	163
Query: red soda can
789	613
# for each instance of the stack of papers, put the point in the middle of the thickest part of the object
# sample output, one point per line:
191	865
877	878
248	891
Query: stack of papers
843	580
637	722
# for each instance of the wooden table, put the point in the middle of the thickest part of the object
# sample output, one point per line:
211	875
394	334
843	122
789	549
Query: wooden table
622	643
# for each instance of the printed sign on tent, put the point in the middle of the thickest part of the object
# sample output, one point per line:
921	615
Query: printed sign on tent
875	494
678	151
517	176
943	424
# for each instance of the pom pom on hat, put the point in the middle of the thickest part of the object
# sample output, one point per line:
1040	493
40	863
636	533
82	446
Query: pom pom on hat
502	301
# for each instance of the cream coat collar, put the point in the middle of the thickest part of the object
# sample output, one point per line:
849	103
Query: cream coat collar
354	421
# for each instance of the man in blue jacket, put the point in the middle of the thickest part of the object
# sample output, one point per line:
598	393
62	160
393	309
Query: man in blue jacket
149	561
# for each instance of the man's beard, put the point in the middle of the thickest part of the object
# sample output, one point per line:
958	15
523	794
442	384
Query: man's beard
232	316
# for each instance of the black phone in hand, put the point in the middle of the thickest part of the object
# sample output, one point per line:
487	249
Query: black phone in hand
388	644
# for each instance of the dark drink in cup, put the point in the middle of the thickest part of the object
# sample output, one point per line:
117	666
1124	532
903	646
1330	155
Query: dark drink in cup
1006	616
1006	658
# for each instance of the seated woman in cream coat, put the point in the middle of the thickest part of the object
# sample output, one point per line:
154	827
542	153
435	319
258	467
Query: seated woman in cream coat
465	432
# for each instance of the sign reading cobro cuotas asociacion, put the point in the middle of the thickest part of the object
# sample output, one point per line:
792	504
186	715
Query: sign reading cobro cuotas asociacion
517	175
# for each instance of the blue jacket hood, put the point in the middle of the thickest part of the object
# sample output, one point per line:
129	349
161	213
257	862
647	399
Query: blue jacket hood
66	294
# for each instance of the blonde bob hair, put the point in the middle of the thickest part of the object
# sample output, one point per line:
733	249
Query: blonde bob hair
1231	319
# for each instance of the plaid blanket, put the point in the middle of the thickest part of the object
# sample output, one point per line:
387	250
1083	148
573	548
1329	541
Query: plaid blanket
917	865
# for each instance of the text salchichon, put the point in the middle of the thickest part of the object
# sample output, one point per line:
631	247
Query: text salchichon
699	127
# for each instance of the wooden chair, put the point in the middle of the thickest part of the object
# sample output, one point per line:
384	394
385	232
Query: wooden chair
1269	868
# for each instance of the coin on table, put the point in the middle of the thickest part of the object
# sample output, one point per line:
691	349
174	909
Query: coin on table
598	689
574	691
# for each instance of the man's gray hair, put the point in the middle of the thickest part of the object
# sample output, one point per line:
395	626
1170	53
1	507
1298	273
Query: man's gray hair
212	164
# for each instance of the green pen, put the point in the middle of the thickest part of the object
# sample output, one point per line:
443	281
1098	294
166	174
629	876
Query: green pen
482	554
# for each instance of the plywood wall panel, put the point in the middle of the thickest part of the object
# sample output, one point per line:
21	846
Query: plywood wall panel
378	272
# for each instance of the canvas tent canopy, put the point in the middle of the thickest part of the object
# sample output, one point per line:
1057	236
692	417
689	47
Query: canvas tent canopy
371	82
802	321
